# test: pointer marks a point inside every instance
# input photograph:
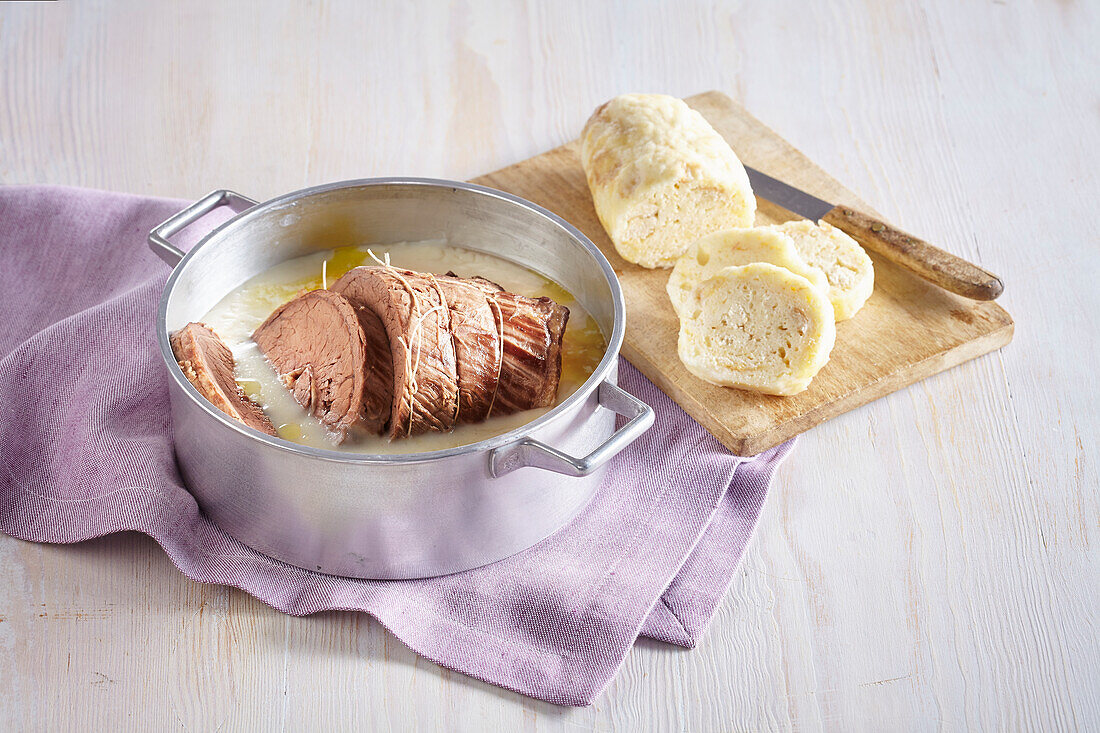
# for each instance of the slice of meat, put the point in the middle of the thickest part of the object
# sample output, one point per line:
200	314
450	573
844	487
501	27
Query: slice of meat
413	311
208	364
378	374
318	348
532	330
475	329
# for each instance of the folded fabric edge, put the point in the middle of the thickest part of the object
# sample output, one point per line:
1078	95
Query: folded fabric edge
685	614
51	189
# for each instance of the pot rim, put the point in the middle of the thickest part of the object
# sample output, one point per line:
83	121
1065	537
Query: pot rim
607	364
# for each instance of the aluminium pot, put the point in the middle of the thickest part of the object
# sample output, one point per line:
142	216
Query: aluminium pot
407	515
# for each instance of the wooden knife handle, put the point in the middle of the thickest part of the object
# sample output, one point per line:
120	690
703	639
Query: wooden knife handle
951	273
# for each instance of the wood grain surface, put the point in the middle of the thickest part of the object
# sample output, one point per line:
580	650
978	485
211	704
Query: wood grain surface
928	561
907	331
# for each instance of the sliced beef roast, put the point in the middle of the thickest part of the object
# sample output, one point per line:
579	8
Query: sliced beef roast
208	364
475	328
413	311
378	374
317	346
532	331
388	350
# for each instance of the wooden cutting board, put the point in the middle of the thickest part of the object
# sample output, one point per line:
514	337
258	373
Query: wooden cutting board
907	331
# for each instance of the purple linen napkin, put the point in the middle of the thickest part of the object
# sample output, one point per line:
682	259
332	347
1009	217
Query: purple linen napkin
86	450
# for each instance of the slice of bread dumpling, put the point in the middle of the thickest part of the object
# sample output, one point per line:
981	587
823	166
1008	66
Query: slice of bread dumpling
848	269
736	247
758	327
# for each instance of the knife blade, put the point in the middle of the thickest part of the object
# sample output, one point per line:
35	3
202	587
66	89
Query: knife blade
790	198
950	272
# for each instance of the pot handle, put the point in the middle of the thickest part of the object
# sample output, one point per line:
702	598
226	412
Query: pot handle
530	452
158	238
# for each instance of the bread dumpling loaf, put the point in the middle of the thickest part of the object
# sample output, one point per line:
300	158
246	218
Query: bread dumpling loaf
661	177
758	327
735	247
848	269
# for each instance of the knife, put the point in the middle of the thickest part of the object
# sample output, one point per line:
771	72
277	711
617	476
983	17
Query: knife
951	273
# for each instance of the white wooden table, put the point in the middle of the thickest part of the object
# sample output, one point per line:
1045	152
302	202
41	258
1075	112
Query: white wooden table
928	560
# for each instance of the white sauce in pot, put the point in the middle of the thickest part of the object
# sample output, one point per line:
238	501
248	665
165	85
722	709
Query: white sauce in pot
240	312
